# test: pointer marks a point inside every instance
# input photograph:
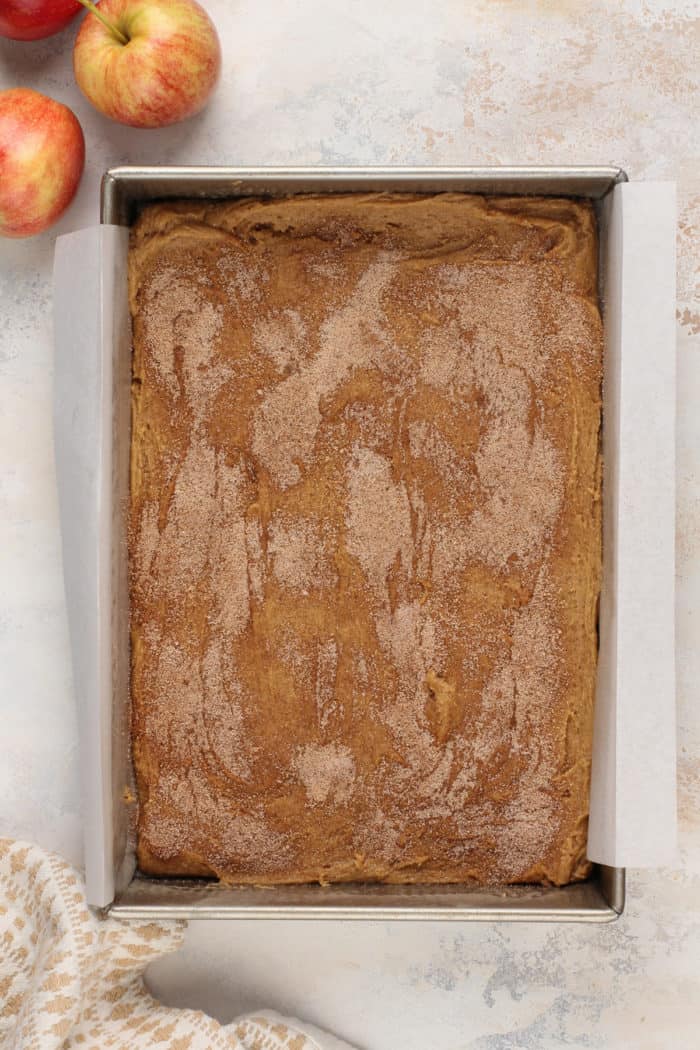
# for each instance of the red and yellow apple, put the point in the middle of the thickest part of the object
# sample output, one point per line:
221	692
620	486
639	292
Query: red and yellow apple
147	63
35	19
42	155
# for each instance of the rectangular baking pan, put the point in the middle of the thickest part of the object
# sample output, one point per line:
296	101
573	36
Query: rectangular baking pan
601	898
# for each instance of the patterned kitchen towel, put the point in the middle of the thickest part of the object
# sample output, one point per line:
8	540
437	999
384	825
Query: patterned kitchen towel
69	979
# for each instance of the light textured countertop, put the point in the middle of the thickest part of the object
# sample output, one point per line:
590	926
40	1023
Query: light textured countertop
354	82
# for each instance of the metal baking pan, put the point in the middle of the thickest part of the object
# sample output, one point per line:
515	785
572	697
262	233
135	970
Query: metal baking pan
601	898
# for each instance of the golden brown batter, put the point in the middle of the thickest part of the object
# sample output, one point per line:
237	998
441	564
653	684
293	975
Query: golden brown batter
365	537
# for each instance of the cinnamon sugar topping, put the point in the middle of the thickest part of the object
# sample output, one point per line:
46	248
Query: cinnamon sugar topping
327	772
365	538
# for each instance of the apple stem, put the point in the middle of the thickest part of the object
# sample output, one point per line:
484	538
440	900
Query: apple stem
114	30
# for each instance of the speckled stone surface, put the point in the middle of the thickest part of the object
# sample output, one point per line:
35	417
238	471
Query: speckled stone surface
495	81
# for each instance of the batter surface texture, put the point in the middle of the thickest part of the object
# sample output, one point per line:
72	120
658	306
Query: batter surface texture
364	537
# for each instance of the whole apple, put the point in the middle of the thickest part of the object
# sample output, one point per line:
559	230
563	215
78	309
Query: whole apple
35	19
157	65
42	155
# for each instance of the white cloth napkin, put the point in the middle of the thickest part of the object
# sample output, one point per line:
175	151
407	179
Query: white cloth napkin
69	979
